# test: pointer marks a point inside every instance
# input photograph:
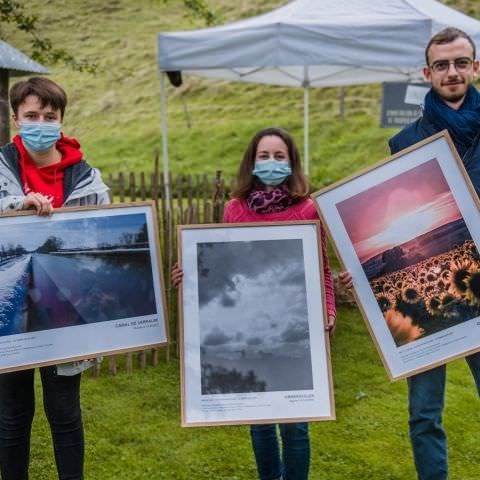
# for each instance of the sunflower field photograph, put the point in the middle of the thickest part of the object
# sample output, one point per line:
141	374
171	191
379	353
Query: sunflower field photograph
416	251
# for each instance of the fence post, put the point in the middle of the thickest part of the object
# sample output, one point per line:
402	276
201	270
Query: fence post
206	204
154	192
133	189
143	189
218	196
110	186
199	193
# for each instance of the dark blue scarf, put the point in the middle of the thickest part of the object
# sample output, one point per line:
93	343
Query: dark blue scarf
463	124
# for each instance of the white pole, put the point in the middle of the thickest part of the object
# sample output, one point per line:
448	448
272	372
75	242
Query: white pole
305	129
166	179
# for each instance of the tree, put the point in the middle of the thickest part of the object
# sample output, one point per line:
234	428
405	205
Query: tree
51	244
42	49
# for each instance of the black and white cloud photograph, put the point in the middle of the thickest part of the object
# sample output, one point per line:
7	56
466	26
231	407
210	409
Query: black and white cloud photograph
253	342
254	332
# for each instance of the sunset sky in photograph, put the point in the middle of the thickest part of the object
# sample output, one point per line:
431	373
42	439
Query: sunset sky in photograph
398	210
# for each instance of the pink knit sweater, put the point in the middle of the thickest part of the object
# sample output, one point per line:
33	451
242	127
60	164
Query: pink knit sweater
237	211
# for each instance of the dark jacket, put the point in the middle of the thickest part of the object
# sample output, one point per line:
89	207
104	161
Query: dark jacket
423	128
413	133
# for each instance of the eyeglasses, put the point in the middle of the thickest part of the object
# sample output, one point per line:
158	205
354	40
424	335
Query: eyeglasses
461	64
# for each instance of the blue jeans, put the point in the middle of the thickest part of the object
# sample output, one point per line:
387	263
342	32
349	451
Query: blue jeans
426	394
295	460
61	400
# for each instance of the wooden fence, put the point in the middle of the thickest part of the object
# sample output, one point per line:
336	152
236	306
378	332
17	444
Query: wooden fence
194	199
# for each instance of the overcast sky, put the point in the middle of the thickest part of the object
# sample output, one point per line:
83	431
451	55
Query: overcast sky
252	295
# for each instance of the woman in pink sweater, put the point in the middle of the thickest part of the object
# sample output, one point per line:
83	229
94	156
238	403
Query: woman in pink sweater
271	187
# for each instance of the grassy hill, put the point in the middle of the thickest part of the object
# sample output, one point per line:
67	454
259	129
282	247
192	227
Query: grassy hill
132	421
116	113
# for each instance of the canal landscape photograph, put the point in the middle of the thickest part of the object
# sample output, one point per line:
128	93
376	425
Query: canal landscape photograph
75	272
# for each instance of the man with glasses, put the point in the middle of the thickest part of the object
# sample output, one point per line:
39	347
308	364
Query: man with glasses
452	103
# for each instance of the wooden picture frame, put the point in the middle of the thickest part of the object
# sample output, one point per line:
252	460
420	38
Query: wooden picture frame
253	345
408	230
85	282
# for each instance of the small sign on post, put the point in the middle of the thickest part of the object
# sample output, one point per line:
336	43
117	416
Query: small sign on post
401	103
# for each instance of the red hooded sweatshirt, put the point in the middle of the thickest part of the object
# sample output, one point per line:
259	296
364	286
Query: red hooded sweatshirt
48	180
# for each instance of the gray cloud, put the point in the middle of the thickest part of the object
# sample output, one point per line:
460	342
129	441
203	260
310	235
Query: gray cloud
254	341
216	337
227	300
220	262
295	332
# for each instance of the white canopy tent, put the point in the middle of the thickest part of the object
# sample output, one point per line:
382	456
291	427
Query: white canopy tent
312	43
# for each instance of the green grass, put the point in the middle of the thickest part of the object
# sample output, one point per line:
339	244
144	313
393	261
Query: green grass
132	421
133	428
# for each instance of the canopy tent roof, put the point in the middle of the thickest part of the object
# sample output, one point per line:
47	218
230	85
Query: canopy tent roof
17	62
316	43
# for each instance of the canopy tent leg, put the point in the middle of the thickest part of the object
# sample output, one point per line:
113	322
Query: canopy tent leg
305	129
166	177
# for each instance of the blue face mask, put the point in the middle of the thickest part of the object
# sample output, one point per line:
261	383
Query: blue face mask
39	136
271	172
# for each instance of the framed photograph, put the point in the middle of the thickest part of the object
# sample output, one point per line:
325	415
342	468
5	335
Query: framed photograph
408	230
82	283
252	308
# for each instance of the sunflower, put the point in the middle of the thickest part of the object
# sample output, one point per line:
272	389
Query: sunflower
472	283
434	306
447	301
440	284
401	327
410	295
431	277
458	274
429	289
384	303
445	273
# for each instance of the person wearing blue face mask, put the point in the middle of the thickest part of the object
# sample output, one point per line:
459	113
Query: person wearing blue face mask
271	187
40	170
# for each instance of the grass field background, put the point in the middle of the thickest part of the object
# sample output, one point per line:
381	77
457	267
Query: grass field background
132	421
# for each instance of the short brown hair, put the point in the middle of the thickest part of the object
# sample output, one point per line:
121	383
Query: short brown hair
297	183
47	91
448	35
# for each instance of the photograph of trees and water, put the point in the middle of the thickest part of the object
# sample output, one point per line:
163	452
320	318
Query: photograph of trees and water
253	317
71	272
416	252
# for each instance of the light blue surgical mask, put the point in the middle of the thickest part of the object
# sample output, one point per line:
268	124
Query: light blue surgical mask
39	136
271	172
